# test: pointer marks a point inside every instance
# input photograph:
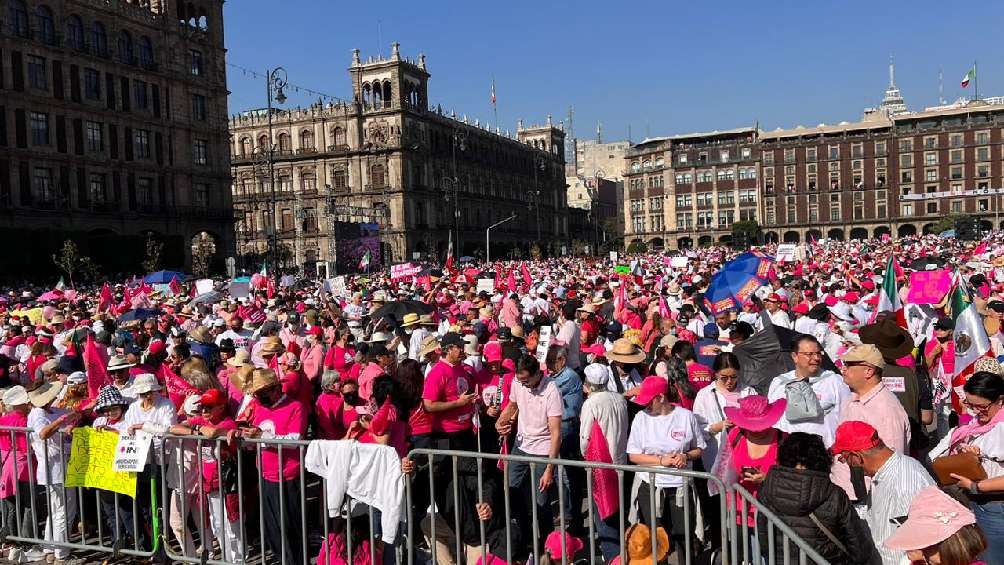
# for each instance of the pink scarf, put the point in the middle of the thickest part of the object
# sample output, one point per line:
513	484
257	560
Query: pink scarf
975	429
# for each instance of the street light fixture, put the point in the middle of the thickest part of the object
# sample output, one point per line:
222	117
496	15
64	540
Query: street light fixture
275	84
488	237
459	142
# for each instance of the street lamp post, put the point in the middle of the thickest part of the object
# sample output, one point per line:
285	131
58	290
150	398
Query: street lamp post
459	142
538	163
275	81
488	237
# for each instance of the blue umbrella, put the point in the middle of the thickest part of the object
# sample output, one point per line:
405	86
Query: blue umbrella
751	262
730	289
163	277
139	314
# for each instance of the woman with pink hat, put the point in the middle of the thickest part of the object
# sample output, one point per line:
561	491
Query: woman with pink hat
939	529
751	449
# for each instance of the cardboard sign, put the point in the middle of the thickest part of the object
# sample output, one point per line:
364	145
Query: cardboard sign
487	285
543	343
131	453
336	286
240	289
92	454
786	252
203	286
679	262
929	287
613	256
402	270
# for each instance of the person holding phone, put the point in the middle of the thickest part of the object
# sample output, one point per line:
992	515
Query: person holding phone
752	444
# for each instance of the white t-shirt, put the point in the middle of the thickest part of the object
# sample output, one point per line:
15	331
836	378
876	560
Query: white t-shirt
676	432
38	419
241	339
831	392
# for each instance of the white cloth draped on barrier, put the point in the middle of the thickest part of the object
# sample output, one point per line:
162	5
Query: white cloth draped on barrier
369	473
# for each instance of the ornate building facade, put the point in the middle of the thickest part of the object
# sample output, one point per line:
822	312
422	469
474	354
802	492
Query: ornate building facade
387	157
113	129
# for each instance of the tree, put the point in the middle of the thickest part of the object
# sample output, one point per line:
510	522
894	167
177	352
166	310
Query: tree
203	249
154	249
949	222
70	261
637	247
745	233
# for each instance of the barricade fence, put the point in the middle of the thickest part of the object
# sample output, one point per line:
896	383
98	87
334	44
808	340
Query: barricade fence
218	501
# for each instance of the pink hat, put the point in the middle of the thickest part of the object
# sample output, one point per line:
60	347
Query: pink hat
801	308
755	413
650	388
553	544
831	301
934	517
492	352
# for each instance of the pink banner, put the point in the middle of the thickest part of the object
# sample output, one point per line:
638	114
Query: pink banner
929	287
402	270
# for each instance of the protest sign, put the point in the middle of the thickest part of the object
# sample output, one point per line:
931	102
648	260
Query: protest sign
487	285
678	262
543	343
92	454
131	452
613	256
929	287
402	270
240	289
786	252
203	286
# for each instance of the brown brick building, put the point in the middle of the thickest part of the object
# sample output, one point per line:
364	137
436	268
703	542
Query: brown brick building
112	127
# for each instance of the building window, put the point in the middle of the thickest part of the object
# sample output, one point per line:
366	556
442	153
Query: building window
200	192
99	39
723	156
195	58
931	142
125	48
747	173
726	218
982	137
746	152
308	184
96	188
18	16
880	148
932	207
931	158
906	209
726	174
810	154
704	199
140	94
983	171
955	156
339	180
141	143
37	77
956	206
727	198
955	140
199	107
75	32
146	52
92	84
982	153
306	139
955	173
906	176
682	159
768	157
377	176
95	137
834	152
983	204
931	175
857	151
880	204
906	144
200	152
144	191
39	128
685	220
705	176
41	186
684	201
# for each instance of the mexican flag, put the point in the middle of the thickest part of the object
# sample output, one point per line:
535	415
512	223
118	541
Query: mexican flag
970	75
60	285
970	337
889	294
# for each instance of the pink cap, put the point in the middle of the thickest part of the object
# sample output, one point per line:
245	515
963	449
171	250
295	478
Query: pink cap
650	388
934	517
801	308
831	301
552	545
492	352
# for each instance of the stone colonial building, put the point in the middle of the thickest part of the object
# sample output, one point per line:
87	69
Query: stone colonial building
386	156
112	128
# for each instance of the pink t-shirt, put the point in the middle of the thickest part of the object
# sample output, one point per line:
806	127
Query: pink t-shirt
19	462
533	436
366	378
210	467
699	375
446	383
285	420
741	458
329	416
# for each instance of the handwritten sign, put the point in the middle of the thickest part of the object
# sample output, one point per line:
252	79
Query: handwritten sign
679	262
402	270
613	256
131	452
486	285
543	343
203	286
91	456
786	252
929	287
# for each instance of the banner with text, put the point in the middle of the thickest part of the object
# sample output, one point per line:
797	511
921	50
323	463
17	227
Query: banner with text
929	287
402	270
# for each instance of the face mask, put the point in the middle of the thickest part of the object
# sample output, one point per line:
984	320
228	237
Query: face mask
858	482
351	398
944	339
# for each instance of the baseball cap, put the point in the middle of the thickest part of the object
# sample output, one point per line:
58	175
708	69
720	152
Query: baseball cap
944	323
854	436
773	298
650	388
597	374
211	398
865	353
452	338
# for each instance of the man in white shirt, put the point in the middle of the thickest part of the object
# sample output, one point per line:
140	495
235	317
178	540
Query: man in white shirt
828	386
777	316
240	335
896	479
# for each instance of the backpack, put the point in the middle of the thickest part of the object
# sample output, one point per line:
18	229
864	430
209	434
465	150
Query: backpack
803	404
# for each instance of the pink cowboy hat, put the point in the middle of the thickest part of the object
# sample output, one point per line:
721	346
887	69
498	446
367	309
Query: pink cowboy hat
552	545
755	413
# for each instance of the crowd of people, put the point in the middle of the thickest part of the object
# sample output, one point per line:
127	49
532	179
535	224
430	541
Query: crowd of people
853	422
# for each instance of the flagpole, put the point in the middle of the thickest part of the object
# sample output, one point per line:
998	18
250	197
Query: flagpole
976	82
495	107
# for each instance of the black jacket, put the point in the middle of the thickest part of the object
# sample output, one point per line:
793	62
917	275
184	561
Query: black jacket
793	494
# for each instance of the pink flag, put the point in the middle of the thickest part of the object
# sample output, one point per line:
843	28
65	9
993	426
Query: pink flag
526	274
106	298
605	484
511	282
95	364
175	286
663	308
177	388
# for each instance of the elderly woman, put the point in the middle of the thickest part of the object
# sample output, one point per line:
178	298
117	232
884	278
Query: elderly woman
330	407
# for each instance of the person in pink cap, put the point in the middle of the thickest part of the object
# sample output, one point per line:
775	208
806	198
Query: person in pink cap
938	529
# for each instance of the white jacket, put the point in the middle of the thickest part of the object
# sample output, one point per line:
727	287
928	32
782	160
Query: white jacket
367	472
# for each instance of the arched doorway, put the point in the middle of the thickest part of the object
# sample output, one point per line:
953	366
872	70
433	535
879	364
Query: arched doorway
704	241
792	237
771	237
835	234
859	233
880	232
813	235
725	239
657	244
986	226
684	243
927	229
906	230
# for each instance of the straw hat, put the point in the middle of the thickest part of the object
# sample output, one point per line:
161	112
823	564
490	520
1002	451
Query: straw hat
429	344
625	351
117	363
587	307
271	345
638	539
240	358
44	394
199	334
517	332
411	319
262	379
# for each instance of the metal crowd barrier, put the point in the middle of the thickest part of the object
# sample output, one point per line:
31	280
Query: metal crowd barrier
28	522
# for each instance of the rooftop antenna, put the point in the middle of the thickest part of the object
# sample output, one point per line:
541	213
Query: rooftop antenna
629	134
599	132
941	86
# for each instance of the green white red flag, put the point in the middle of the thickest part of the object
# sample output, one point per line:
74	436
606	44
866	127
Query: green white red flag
970	75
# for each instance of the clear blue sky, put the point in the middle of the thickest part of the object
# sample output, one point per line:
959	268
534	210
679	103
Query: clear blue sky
662	67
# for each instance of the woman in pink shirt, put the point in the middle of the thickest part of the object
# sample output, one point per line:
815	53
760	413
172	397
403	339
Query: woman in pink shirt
15	479
278	416
329	407
752	445
388	425
341	356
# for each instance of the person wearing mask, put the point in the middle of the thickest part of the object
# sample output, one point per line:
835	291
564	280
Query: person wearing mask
535	405
711	401
278	416
984	437
570	387
381	361
448	397
329	407
312	357
799	492
663	434
896	479
604	412
237	333
815	411
938	530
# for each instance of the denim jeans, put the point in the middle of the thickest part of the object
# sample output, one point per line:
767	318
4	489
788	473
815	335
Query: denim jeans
524	480
990	519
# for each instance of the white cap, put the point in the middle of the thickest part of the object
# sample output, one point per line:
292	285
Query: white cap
192	405
76	378
597	374
15	396
219	323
